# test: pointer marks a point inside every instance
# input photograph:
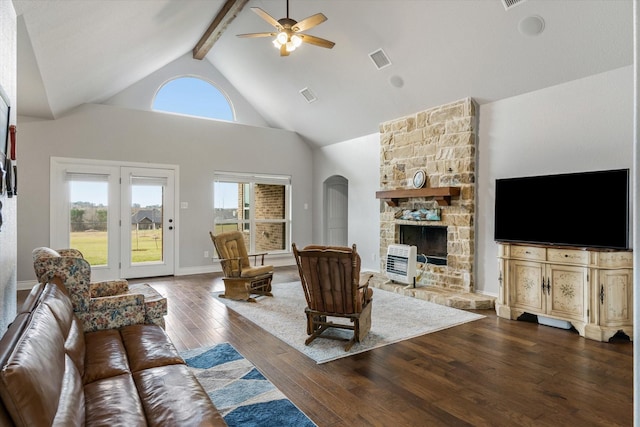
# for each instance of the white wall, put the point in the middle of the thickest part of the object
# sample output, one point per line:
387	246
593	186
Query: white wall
199	147
582	125
358	160
8	232
141	94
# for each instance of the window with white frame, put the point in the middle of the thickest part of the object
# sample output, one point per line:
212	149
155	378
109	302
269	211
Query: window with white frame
257	205
193	96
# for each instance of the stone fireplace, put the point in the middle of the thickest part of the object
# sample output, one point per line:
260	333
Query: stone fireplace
440	141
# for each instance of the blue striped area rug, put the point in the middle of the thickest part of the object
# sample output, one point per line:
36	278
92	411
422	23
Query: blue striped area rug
241	393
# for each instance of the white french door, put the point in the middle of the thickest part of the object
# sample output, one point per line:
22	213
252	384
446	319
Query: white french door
120	217
148	237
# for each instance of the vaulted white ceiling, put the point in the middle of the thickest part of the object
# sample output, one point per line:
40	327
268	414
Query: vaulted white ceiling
76	51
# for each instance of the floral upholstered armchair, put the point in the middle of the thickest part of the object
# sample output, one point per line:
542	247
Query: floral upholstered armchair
100	305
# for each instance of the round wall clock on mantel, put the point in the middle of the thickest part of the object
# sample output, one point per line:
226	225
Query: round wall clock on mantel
419	179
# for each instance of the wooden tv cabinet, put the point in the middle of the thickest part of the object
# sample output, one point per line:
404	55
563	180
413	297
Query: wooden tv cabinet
590	288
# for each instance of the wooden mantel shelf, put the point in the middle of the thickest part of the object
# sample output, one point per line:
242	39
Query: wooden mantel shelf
440	194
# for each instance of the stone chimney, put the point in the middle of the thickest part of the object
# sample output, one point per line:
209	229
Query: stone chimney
440	141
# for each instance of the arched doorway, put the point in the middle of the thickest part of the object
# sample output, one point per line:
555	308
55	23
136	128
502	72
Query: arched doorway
336	210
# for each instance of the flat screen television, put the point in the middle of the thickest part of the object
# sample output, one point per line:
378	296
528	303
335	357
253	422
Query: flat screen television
587	209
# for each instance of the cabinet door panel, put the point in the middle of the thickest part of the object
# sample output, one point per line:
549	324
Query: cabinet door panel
567	294
616	297
527	286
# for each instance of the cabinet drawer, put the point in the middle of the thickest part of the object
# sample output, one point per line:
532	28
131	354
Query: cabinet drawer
528	252
568	256
615	259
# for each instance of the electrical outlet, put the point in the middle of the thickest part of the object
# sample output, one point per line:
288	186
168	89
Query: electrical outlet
206	254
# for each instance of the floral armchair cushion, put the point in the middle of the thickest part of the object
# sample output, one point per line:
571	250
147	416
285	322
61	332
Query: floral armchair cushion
72	271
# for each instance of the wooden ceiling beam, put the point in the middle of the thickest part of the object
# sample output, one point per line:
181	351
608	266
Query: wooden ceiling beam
227	13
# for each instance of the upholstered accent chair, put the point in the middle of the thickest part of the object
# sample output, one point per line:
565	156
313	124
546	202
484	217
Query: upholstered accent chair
334	288
241	280
99	305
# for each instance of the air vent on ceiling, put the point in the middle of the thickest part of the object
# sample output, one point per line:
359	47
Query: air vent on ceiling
308	95
508	4
380	59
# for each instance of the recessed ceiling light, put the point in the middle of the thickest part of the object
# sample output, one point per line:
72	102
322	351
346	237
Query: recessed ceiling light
396	81
531	25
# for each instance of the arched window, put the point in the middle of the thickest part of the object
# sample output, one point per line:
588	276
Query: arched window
194	97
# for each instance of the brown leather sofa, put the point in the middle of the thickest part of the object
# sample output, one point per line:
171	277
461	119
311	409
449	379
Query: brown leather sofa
52	373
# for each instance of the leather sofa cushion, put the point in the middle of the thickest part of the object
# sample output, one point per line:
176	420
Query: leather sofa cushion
105	355
75	345
71	406
12	336
113	402
172	396
32	376
7	344
69	324
148	346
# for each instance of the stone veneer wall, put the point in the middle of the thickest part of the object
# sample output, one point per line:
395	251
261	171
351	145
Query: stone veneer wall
442	142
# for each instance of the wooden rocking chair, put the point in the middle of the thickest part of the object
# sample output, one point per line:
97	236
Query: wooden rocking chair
334	287
241	280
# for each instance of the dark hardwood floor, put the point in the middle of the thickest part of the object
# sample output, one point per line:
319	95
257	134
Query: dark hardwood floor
491	372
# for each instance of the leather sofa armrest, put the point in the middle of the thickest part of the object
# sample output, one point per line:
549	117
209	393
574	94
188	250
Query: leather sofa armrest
108	288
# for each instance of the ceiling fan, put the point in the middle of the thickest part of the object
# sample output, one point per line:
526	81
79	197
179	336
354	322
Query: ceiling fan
288	34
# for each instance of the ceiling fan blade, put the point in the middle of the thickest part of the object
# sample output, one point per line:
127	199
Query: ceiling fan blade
309	22
264	15
251	35
317	41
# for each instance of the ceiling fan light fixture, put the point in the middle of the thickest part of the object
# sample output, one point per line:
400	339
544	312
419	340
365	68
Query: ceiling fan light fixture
288	35
282	37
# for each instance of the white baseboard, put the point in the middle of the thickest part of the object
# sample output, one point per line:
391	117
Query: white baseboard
26	285
201	269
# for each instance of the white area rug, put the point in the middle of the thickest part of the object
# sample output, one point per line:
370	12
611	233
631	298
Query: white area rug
394	318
